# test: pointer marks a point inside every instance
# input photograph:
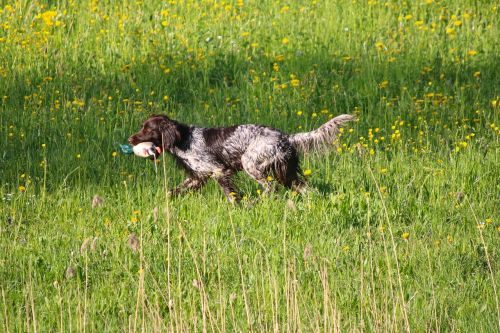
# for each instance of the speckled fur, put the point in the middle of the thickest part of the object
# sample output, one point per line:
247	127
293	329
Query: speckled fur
219	153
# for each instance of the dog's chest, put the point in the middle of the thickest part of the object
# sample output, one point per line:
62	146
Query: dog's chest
197	158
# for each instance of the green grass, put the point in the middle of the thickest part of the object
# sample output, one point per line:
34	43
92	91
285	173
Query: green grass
399	232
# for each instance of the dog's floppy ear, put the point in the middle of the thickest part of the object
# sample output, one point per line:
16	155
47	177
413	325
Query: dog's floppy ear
169	133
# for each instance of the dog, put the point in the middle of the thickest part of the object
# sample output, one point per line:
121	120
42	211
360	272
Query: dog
219	153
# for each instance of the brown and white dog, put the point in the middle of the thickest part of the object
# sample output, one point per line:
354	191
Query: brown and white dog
219	153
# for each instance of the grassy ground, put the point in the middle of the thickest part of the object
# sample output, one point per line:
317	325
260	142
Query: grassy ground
400	231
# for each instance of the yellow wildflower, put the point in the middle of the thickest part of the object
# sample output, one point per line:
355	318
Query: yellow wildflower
279	57
48	17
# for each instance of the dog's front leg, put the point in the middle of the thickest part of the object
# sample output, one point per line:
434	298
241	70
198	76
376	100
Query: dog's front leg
190	183
225	181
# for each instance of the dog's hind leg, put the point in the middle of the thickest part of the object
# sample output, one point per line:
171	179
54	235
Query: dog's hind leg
258	171
288	172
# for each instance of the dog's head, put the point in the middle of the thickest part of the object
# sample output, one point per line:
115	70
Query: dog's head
160	130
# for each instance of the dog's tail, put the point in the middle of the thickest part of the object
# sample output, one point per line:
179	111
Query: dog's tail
321	137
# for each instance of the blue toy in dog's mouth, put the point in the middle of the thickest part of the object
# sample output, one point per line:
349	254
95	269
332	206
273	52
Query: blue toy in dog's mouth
143	149
126	149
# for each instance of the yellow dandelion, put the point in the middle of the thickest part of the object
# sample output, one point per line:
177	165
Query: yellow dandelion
285	41
279	57
48	17
114	154
22	188
295	82
458	23
383	84
405	235
472	53
307	172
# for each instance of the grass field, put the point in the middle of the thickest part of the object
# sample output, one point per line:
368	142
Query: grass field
399	232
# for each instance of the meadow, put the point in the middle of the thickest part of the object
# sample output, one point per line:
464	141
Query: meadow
399	231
